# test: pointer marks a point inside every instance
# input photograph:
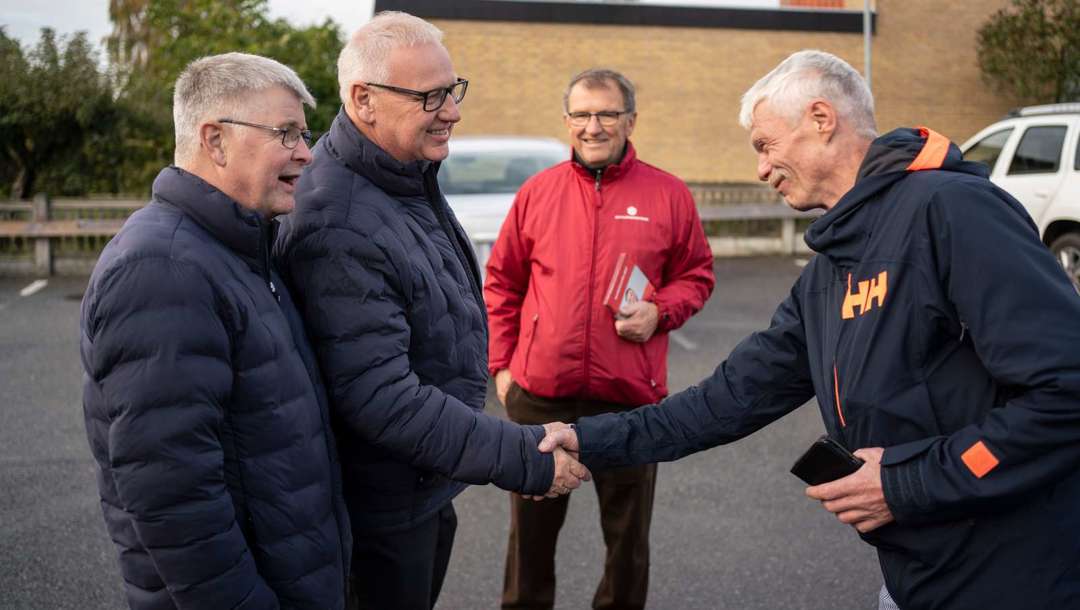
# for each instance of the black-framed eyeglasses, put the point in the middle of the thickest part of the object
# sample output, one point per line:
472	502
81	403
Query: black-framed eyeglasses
290	136
607	118
434	99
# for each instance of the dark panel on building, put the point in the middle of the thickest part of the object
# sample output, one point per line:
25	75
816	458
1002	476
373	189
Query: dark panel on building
631	14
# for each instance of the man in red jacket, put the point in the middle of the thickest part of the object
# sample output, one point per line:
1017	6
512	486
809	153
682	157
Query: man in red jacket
599	258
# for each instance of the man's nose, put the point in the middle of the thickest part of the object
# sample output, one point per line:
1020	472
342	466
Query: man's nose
450	111
302	152
594	126
764	168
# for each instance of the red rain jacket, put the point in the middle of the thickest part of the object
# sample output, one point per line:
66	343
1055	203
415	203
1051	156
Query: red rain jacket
553	263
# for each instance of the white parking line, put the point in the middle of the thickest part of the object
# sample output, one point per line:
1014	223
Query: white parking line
683	342
34	287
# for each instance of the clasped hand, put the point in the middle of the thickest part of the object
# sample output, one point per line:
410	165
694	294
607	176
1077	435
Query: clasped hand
561	441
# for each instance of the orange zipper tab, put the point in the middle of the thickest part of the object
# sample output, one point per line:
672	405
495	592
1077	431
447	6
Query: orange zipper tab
836	391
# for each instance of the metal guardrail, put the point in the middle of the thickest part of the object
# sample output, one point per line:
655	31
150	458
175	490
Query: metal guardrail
35	236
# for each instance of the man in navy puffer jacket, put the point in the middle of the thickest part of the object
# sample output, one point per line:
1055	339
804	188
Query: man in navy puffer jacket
390	291
217	470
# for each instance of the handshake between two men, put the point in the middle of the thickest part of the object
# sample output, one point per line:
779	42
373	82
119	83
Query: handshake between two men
569	472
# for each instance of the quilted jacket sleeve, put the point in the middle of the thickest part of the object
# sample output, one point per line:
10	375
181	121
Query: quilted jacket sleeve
1023	317
688	273
764	378
161	357
353	302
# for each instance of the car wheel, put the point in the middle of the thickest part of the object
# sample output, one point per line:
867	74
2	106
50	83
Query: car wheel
1066	250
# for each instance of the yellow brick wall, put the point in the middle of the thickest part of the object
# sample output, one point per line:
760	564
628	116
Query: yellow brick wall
690	79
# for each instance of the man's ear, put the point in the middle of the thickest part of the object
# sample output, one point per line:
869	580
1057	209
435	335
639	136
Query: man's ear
823	116
631	120
212	140
363	103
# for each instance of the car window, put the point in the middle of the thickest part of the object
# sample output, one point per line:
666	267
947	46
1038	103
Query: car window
988	149
491	172
1039	151
1076	157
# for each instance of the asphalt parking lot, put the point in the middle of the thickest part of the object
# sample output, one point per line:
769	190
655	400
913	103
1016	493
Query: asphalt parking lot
731	527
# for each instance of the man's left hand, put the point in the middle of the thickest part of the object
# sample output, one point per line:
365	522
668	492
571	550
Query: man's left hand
637	321
857	499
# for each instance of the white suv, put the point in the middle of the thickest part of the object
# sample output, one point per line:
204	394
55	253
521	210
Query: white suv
1034	154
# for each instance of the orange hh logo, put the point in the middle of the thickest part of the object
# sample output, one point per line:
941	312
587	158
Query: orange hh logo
870	290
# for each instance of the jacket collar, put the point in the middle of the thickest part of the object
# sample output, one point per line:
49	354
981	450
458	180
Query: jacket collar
611	172
241	230
841	233
366	158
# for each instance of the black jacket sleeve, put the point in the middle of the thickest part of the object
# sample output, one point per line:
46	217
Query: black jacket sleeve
161	358
764	378
1023	316
355	308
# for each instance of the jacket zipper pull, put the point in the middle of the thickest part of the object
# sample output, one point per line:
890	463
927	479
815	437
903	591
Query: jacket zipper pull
963	331
599	174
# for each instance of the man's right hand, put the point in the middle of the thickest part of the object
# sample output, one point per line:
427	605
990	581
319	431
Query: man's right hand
560	435
569	473
502	384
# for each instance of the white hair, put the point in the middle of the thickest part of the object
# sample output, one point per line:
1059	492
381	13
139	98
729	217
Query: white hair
808	75
366	57
216	85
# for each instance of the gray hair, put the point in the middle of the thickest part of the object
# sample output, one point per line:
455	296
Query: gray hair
365	57
220	84
596	78
807	75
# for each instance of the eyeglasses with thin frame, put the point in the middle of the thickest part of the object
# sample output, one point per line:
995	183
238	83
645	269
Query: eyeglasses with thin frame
290	136
607	118
433	99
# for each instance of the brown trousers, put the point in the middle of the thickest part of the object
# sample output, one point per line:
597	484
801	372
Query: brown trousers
625	496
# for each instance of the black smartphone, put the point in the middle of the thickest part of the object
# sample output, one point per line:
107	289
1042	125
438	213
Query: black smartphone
826	460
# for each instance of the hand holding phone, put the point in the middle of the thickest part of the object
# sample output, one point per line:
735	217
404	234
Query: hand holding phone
826	460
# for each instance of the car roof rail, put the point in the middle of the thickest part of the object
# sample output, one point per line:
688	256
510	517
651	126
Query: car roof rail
1064	108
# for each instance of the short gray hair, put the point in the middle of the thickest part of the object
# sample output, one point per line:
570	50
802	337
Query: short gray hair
365	57
218	84
596	78
807	75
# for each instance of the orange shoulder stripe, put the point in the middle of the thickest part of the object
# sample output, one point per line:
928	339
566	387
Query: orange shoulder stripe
932	155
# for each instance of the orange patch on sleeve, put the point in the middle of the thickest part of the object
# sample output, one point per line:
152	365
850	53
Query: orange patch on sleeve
979	460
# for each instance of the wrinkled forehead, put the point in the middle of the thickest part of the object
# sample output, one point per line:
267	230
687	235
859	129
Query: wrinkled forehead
594	89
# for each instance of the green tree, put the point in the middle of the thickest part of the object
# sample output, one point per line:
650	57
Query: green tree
152	42
54	100
1032	49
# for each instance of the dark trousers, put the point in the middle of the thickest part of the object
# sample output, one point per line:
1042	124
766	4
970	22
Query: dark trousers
626	499
402	570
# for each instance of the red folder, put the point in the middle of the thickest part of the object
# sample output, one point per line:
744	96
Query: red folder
628	284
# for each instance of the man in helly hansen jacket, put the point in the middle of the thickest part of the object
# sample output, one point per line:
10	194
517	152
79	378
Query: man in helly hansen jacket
940	338
573	236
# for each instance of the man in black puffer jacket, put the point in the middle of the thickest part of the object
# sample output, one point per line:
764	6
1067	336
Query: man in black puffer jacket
390	292
218	474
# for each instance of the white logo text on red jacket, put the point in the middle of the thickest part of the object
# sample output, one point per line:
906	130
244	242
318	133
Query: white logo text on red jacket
631	214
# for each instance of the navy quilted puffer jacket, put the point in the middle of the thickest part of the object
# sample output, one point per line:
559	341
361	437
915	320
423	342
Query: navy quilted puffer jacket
389	289
217	470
